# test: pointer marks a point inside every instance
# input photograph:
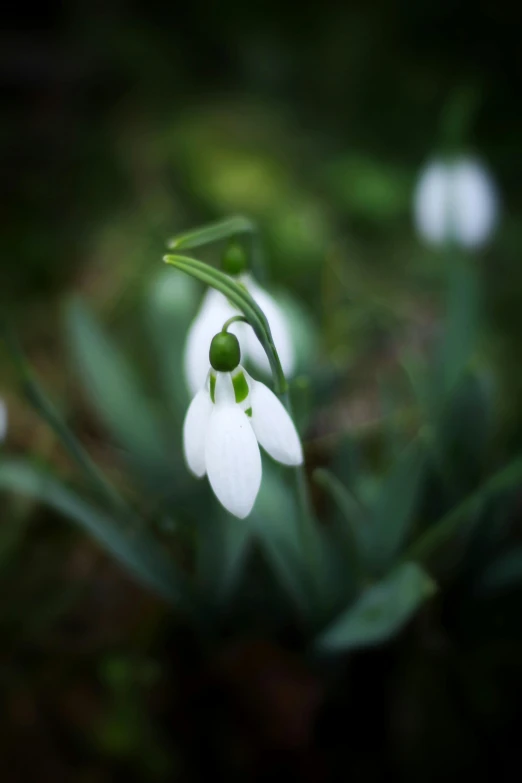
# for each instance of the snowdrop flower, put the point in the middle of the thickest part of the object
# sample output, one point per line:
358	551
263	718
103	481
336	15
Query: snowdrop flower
227	421
455	200
3	420
216	309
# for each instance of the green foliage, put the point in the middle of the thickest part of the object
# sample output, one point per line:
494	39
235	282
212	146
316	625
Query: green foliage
380	611
112	387
134	548
352	579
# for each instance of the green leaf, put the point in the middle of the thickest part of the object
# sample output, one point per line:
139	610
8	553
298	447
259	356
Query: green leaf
423	387
170	305
275	522
393	513
45	408
465	428
459	518
212	232
381	611
354	532
222	550
504	573
112	387
136	550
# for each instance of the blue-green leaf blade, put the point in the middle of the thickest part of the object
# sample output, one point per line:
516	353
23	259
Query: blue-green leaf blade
380	612
393	513
112	386
136	550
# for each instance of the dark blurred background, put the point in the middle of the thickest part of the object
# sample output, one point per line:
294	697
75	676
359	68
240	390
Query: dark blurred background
126	122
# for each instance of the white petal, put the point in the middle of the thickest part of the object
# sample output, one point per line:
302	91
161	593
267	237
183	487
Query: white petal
233	460
273	426
224	390
214	311
279	327
475	203
3	420
195	429
431	203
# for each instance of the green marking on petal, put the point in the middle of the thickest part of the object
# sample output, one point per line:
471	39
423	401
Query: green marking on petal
240	387
249	412
212	387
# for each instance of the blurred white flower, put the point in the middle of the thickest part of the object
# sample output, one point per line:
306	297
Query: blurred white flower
224	424
455	201
214	311
3	420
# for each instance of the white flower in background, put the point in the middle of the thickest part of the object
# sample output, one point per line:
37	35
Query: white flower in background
216	309
3	420
456	200
227	421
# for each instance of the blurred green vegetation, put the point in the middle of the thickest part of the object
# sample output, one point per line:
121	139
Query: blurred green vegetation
126	123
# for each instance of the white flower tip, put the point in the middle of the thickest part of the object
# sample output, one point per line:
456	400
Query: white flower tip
294	454
241	511
233	460
273	426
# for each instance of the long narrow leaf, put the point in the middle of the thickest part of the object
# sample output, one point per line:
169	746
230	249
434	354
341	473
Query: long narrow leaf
356	524
394	509
463	515
222	551
213	232
136	550
45	408
112	385
380	612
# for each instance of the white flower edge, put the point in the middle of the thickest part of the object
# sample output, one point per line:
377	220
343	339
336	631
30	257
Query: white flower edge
195	429
232	455
273	426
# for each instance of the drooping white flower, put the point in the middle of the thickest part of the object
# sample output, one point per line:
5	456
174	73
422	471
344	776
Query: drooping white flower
214	311
224	424
455	201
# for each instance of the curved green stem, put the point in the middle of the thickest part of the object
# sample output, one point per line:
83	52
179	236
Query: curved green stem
234	319
241	299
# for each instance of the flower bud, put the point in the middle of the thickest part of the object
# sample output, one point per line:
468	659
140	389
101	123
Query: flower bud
224	353
234	261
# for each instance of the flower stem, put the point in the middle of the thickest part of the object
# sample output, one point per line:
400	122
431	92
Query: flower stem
307	522
232	320
240	299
